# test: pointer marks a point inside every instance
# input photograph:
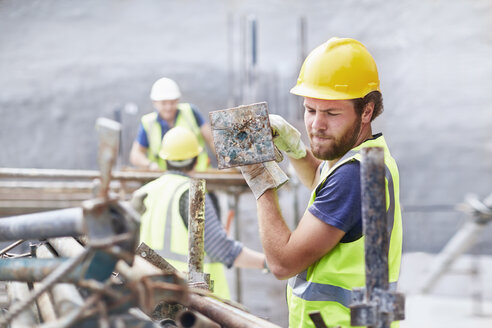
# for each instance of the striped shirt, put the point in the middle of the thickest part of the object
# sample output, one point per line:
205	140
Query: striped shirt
218	246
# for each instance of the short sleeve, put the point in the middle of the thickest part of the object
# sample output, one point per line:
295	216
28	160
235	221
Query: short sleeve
142	137
338	201
198	116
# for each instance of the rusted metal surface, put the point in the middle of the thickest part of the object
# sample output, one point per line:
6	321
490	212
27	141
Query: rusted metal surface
196	225
375	306
227	315
242	135
150	255
69	222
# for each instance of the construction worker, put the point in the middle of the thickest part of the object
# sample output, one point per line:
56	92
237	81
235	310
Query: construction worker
323	258
169	112
165	220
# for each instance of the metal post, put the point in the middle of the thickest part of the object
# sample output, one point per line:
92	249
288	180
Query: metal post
196	235
237	231
375	306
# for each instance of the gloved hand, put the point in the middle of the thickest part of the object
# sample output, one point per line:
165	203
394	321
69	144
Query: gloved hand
286	137
263	176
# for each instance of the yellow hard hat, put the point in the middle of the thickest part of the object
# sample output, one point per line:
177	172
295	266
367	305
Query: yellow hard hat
179	144
340	68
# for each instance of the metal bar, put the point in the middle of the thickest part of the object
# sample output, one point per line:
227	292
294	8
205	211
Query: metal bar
196	224
19	292
11	246
69	222
65	296
109	141
374	222
237	231
45	306
193	319
153	257
227	315
34	270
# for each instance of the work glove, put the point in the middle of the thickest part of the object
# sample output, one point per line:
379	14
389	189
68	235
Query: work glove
286	137
263	176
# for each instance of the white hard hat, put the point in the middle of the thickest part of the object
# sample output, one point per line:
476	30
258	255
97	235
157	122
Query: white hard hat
165	89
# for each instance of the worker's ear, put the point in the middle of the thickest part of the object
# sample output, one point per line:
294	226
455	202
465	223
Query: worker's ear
367	112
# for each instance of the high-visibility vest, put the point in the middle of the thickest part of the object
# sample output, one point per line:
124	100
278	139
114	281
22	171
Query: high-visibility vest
185	118
162	228
326	285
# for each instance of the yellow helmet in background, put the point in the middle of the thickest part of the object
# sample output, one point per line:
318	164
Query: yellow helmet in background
179	144
340	68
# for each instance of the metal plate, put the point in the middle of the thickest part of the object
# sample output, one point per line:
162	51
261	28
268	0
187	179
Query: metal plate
242	135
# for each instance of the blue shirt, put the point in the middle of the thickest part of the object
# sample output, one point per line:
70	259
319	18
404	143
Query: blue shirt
142	136
338	201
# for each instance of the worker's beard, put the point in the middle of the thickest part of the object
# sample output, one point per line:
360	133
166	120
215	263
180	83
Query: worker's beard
335	148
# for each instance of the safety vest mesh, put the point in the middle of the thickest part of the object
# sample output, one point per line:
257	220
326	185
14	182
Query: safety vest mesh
162	228
327	284
185	118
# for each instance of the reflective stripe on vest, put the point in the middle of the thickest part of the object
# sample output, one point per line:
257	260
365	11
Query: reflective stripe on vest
326	286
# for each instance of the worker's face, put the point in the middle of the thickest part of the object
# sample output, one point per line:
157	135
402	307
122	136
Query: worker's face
333	127
166	108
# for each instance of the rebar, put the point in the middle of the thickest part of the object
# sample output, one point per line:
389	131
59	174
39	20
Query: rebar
196	223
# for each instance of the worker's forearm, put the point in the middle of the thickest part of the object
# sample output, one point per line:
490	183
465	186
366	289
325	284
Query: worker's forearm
249	258
307	169
138	158
274	234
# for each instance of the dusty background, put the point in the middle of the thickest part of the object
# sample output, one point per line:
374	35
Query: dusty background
63	64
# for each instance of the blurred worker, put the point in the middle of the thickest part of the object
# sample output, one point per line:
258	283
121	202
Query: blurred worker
324	255
168	113
165	220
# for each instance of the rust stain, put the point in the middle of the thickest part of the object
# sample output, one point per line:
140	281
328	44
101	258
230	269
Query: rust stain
242	135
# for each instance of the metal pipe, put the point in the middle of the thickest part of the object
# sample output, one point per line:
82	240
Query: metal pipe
18	292
34	270
11	246
65	296
374	223
193	319
374	219
45	306
226	315
66	222
196	223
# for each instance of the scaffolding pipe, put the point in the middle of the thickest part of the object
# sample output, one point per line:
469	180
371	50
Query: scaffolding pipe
227	315
65	296
45	306
193	319
69	222
196	223
18	292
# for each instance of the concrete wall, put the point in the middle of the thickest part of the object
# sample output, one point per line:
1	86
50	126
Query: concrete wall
65	63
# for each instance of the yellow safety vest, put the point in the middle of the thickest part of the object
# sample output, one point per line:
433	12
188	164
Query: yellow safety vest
326	286
162	228
185	118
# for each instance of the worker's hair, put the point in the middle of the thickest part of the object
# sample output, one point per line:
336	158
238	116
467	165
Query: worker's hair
375	97
184	166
